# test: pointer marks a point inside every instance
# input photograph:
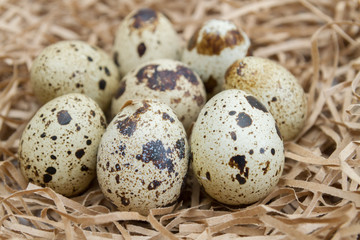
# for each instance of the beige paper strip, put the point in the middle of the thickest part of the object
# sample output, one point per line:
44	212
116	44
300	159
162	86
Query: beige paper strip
318	196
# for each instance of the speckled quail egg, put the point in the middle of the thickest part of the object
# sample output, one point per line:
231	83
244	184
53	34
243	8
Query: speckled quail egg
212	49
145	34
74	67
274	86
238	152
168	80
143	157
59	144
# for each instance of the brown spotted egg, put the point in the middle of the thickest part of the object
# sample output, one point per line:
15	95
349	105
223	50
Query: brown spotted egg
59	144
144	34
74	67
168	80
143	157
274	86
237	150
212	49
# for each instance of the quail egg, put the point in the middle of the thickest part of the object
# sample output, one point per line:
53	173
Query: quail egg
143	157
275	87
74	67
168	80
144	34
212	49
59	144
237	150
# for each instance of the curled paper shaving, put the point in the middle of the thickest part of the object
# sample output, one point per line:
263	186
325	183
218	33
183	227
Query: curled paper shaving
318	195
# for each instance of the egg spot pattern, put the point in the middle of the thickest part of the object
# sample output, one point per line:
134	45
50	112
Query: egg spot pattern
155	152
233	136
157	80
51	170
266	168
79	153
208	176
154	184
117	167
199	100
213	43
188	74
122	148
256	104
63	117
125	201
240	179
102	84
243	120
115	58
128	125
193	40
47	178
141	49
107	72
232	113
180	145
166	116
239	69
239	162
84	168
273	151
143	17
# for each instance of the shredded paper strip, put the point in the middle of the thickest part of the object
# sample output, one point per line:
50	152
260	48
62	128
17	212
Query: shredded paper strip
318	195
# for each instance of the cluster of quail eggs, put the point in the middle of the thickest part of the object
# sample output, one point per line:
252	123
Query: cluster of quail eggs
209	102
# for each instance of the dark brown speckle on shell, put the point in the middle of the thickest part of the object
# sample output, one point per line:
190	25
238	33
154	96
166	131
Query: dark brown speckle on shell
128	125
115	58
63	117
212	43
154	184
79	153
155	152
144	17
243	120
208	176
256	103
266	168
162	80
125	201
141	49
102	84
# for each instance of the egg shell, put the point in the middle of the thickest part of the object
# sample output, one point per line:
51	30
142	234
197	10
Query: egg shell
143	157
170	81
274	86
212	49
74	67
144	34
59	144
238	153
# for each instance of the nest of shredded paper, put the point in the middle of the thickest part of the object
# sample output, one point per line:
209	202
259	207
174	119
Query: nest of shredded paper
318	195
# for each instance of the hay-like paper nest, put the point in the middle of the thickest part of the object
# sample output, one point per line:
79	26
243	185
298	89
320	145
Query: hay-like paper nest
318	195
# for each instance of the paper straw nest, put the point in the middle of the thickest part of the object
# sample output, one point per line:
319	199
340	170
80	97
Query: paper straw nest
318	195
